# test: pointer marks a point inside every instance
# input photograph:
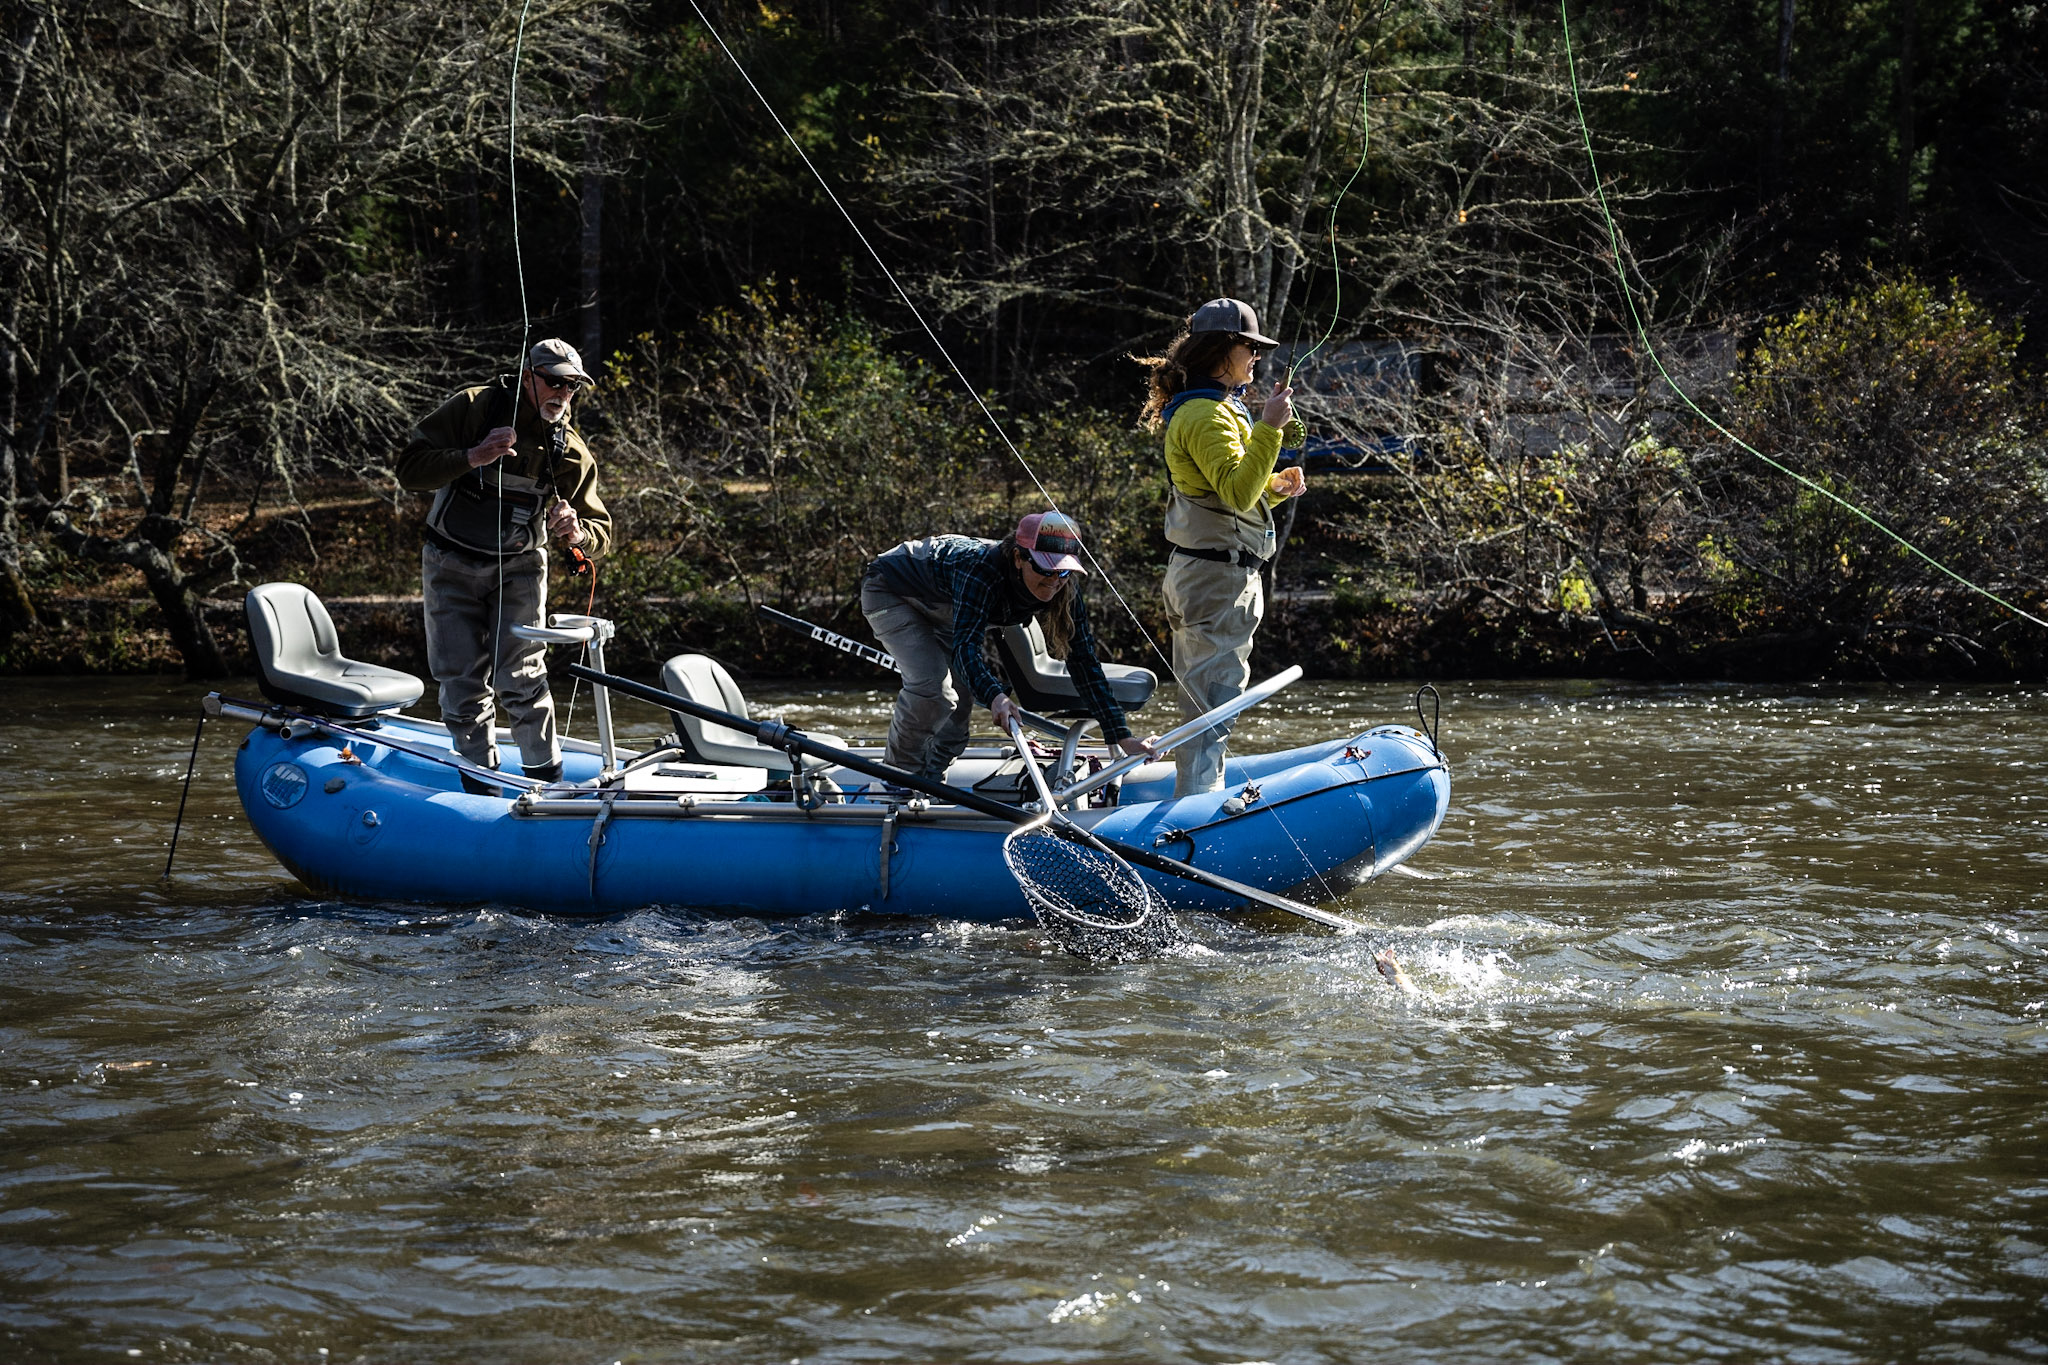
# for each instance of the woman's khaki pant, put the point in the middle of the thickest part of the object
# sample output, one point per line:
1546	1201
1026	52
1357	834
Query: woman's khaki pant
934	707
1214	610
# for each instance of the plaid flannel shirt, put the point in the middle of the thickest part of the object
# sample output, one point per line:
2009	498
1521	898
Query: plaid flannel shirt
970	572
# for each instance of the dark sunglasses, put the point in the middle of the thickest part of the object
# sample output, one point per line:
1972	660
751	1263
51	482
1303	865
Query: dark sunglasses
1032	565
568	382
1258	351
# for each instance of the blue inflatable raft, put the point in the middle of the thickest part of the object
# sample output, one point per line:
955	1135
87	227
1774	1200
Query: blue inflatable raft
357	800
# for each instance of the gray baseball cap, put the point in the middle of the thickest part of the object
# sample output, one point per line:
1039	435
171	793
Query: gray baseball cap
558	359
1229	315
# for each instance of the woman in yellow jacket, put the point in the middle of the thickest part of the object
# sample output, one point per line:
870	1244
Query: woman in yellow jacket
1219	516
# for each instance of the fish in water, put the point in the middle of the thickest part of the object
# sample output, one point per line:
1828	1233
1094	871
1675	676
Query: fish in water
1391	970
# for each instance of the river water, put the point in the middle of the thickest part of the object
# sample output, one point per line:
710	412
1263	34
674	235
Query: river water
1729	1046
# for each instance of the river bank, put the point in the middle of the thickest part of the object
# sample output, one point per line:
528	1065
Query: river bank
1331	634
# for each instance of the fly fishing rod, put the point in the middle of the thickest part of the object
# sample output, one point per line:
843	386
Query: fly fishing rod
832	639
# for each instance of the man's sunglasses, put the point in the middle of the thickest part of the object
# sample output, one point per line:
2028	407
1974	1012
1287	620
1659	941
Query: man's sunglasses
566	382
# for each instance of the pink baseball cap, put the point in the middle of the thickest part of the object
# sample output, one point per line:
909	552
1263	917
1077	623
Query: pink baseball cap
1052	540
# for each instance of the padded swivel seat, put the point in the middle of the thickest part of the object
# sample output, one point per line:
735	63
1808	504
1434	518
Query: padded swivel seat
704	680
1041	683
299	662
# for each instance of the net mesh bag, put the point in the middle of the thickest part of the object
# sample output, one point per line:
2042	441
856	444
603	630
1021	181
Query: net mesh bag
1088	900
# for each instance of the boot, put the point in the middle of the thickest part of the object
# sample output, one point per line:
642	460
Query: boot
545	772
478	787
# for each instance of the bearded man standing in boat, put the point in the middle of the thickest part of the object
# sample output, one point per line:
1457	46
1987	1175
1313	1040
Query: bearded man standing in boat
506	468
929	602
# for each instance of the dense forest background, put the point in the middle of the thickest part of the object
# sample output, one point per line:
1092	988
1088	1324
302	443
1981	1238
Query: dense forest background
245	245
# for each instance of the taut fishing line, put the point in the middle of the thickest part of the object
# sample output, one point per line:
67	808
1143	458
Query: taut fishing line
583	564
519	369
1336	314
890	275
1642	335
987	415
969	387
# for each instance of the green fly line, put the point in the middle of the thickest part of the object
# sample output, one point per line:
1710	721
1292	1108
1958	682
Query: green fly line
1642	335
1336	268
525	326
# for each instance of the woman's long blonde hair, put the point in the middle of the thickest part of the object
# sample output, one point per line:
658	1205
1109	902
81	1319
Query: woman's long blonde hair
1190	362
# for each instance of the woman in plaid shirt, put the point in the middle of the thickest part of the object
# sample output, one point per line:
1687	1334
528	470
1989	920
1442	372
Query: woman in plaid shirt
930	601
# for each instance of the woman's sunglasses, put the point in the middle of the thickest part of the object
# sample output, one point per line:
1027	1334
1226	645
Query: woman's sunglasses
1032	565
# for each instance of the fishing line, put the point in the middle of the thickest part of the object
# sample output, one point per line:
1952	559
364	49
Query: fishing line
987	415
1295	363
519	369
580	562
1336	266
1642	335
958	373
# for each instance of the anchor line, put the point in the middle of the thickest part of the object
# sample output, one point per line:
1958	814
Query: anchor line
184	792
1002	434
1643	336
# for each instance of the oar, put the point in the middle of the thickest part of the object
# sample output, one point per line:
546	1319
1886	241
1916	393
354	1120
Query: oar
780	736
1183	732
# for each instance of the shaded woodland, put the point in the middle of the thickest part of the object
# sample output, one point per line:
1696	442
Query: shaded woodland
1554	425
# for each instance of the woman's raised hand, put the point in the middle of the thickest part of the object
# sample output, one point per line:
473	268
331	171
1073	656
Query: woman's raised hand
1280	407
1290	482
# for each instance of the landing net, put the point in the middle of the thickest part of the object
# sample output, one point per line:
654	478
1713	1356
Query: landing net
1088	900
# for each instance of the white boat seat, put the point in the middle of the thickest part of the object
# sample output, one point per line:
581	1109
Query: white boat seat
299	662
704	680
1041	683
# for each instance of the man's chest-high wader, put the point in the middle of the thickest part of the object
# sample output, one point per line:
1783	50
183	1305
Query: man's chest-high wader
490	512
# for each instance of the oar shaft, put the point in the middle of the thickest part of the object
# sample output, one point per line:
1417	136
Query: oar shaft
1174	867
780	736
783	737
1180	734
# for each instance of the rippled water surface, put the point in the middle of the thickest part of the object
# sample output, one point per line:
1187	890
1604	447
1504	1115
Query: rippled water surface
1729	1046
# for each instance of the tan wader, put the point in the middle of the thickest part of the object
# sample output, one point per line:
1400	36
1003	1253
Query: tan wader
472	603
1214	610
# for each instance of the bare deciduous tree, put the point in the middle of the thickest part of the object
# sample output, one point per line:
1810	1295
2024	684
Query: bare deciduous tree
209	291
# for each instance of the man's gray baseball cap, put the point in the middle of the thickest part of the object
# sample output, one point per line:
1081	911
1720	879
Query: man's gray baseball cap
558	359
1229	315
